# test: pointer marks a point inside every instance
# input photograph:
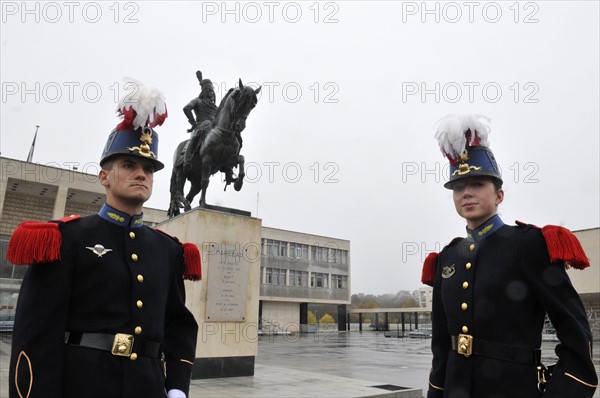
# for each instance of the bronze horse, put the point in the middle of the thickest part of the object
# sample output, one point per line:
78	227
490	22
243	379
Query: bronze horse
219	151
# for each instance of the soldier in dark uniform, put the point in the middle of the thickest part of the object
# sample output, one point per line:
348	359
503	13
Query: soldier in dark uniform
205	109
492	290
101	312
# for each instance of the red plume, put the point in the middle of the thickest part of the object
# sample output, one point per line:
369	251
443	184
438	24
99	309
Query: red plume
192	262
429	267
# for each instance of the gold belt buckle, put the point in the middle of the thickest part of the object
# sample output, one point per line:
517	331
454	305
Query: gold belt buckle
122	345
465	345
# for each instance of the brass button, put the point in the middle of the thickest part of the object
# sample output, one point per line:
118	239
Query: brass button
465	285
140	278
134	257
133	356
139	304
132	235
464	306
138	330
472	247
465	329
468	265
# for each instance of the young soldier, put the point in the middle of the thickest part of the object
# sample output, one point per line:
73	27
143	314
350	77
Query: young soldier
101	312
492	290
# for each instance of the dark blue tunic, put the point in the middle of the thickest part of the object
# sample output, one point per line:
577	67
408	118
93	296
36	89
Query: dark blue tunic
497	286
135	287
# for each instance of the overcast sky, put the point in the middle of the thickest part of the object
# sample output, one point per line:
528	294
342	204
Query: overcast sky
341	141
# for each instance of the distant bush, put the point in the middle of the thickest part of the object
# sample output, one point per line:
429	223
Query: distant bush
326	319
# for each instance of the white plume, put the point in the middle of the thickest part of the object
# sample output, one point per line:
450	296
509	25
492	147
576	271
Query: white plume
450	133
147	102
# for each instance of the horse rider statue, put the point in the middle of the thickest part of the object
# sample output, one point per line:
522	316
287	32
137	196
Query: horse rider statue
205	109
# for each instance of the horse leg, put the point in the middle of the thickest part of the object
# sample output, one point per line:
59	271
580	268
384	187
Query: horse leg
176	189
194	189
239	181
204	184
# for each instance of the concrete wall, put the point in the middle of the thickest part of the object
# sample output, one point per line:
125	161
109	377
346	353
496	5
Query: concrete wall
588	280
280	316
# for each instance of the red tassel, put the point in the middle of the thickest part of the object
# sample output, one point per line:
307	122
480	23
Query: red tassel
428	274
192	262
34	242
564	246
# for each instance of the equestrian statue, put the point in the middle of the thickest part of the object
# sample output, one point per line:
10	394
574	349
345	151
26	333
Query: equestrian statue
214	145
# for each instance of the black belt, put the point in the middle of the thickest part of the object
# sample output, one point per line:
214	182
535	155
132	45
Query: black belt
526	356
118	344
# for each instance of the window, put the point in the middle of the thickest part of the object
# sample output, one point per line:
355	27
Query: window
275	276
339	281
298	250
298	278
329	254
317	254
276	248
319	279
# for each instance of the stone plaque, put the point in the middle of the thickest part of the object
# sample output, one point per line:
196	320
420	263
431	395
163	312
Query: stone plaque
226	296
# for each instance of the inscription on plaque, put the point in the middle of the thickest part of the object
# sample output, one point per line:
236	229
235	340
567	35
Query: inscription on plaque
228	272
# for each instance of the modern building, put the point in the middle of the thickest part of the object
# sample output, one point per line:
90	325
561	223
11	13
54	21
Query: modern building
297	269
300	269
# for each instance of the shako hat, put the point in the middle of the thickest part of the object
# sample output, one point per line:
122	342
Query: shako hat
141	111
463	139
204	83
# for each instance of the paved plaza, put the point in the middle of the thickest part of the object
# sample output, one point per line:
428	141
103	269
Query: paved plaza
324	364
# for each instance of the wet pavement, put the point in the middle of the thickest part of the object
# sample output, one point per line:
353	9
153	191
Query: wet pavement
325	364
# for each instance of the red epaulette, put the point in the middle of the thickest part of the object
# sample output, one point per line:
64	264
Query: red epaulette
429	267
563	246
36	242
191	259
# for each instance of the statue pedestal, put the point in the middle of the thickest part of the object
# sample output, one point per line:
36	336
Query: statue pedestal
225	302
